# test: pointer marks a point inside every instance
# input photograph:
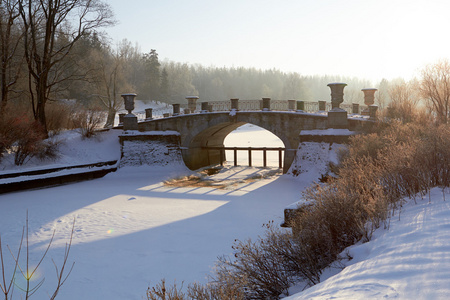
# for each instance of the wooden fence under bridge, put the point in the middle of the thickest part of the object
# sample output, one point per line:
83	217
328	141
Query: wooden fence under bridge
249	149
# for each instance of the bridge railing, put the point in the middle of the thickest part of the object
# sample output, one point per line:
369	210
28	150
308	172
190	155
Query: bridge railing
156	114
244	105
275	105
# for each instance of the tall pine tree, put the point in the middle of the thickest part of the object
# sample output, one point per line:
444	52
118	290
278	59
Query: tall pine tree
153	76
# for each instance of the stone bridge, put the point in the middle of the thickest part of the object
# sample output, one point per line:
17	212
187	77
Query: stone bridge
200	129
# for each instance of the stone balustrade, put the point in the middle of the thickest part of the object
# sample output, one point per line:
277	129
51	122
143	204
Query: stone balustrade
129	121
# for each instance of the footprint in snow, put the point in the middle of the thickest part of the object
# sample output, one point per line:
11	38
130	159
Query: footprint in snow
132	198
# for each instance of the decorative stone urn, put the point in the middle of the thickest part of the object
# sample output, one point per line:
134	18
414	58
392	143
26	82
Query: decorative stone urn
337	117
337	94
129	101
192	103
129	120
369	96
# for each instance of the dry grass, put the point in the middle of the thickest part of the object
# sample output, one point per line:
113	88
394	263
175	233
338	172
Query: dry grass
195	181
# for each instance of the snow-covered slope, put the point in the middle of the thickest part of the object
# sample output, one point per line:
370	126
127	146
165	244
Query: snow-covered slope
408	260
73	150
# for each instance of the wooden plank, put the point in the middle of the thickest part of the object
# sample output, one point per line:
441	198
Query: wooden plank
246	148
264	157
280	162
250	149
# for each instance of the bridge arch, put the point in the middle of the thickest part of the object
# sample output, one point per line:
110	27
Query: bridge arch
213	134
210	129
195	156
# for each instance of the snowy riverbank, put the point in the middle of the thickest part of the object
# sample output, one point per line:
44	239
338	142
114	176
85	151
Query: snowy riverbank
408	260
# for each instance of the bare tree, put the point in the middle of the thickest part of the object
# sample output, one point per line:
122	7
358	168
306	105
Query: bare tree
353	95
110	79
435	88
10	59
293	86
382	95
24	270
51	29
404	100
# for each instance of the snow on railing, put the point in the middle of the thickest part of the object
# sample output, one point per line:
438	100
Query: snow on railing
162	110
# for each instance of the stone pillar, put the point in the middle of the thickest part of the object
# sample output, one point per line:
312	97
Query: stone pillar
192	103
187	111
121	119
291	105
337	94
148	113
300	106
234	103
129	101
205	107
266	104
322	105
355	108
373	112
176	109
129	120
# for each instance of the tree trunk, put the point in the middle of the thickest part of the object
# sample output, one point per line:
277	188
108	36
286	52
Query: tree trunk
4	93
40	105
110	119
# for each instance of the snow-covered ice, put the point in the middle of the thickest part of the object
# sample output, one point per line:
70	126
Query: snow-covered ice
131	231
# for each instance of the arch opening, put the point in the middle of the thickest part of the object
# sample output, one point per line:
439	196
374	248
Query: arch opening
250	135
206	148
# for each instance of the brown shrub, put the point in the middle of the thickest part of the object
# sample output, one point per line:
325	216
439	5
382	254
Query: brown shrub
195	291
6	136
25	138
88	121
60	116
28	139
161	292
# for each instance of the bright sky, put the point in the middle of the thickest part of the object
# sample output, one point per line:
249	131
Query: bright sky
370	39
